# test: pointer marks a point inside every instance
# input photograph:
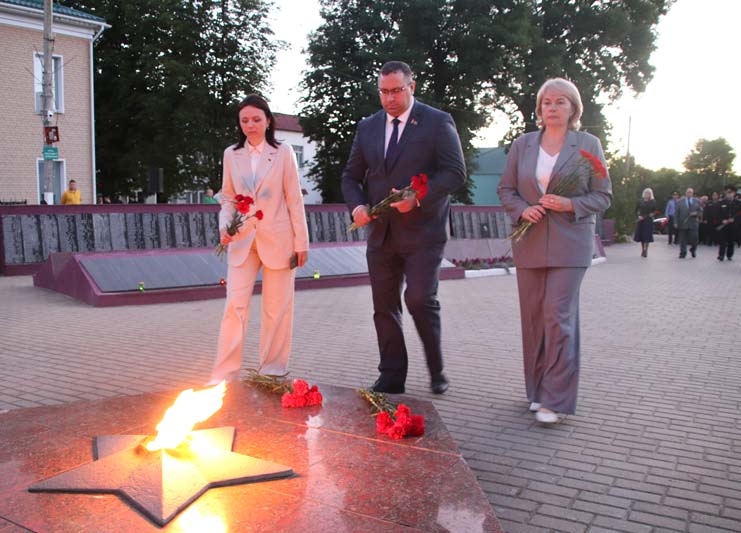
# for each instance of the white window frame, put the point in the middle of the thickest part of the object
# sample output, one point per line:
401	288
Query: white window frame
57	82
300	160
62	179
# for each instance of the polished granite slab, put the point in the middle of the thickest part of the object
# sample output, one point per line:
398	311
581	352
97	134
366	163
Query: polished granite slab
348	478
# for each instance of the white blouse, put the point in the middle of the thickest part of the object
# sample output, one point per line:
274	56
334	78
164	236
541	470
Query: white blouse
544	168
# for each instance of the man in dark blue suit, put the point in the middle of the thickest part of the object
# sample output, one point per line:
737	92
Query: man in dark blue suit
405	139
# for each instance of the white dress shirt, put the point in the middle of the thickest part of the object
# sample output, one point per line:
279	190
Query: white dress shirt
403	119
544	168
255	153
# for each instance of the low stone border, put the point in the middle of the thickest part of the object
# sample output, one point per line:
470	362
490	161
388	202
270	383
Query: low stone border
486	272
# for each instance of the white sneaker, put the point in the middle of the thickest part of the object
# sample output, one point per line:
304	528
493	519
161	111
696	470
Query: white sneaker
545	417
534	406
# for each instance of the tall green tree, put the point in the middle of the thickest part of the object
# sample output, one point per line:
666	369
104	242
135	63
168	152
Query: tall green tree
603	47
628	181
664	182
168	74
451	46
710	165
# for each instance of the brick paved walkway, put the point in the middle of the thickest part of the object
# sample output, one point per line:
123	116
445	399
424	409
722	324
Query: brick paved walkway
656	444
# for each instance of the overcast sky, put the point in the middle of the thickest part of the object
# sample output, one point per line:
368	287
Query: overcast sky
693	93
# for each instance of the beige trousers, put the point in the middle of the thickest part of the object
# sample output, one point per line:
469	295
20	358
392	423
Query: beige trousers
277	318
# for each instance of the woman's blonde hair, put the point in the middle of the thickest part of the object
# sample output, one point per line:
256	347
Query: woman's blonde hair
569	90
649	191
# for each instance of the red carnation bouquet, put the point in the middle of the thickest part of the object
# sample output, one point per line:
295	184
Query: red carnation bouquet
589	165
301	395
243	205
296	393
395	421
418	188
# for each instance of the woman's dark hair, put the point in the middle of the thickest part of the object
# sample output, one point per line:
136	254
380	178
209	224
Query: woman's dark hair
255	100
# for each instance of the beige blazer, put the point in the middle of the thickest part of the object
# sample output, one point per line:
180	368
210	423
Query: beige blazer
276	189
561	239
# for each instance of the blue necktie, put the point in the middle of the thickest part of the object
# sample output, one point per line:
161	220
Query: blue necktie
393	143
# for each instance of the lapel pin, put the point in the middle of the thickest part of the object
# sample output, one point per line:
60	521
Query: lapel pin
413	122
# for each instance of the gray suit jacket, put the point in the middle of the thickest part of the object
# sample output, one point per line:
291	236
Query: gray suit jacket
429	144
687	218
561	239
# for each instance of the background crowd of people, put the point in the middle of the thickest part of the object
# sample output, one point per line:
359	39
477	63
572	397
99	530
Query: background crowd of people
689	221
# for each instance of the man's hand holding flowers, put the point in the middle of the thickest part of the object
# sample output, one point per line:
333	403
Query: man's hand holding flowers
408	201
403	200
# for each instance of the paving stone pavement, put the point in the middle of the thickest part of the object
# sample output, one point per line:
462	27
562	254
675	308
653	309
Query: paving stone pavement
656	443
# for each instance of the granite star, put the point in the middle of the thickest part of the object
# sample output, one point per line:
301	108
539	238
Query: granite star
164	482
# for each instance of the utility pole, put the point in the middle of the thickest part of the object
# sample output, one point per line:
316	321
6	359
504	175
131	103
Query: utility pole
47	96
627	150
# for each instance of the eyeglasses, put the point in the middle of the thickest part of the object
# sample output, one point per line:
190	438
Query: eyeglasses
396	91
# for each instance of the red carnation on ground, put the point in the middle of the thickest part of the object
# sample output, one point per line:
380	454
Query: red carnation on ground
418	426
383	422
302	395
394	421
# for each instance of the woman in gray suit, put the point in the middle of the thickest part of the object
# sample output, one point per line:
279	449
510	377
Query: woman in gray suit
553	254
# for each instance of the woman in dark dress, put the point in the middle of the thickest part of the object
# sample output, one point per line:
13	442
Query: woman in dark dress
645	227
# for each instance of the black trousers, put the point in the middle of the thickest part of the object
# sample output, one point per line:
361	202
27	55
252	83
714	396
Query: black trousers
389	267
672	231
726	237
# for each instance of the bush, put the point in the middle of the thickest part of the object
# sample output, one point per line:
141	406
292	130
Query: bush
479	263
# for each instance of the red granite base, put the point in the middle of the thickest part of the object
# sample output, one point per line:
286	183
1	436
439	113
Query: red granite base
348	478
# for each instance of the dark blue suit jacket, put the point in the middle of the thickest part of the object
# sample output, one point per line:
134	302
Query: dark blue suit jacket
429	144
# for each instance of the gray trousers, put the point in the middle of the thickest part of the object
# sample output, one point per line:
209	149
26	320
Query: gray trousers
549	311
687	236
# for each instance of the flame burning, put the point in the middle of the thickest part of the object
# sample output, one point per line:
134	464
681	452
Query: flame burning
189	408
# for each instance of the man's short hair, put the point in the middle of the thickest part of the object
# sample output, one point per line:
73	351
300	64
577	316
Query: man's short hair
731	188
72	181
397	66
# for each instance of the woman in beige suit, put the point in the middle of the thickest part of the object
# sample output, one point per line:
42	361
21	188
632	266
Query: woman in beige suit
260	167
554	254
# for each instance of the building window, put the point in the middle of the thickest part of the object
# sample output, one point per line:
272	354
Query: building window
57	86
299	150
58	178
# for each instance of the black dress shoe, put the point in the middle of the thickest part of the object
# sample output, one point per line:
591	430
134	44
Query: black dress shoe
693	253
438	384
390	388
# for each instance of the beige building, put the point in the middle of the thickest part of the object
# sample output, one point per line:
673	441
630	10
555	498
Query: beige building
21	128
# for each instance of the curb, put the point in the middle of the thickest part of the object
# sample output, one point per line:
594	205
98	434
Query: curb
487	272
